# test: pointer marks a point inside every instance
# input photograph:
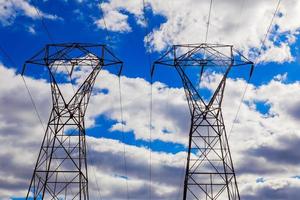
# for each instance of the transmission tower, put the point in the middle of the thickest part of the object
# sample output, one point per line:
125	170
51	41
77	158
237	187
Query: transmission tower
209	172
61	168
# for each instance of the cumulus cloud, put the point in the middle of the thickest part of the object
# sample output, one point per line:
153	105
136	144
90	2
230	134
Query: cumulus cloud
283	152
136	103
9	10
114	18
241	23
279	54
108	160
116	22
20	130
21	134
257	141
277	188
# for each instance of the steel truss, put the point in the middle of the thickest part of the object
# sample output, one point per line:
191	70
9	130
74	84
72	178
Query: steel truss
209	173
61	168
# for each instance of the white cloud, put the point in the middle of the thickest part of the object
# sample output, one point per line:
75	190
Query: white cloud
116	19
279	54
9	10
241	23
281	77
108	157
276	188
255	141
136	103
20	130
18	156
31	30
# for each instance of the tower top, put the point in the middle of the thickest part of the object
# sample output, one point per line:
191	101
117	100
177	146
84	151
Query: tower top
69	55
202	55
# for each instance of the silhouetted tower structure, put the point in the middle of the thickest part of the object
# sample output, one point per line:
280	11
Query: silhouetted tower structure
209	173
61	168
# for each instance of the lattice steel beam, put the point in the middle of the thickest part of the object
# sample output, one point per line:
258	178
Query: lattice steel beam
209	173
61	168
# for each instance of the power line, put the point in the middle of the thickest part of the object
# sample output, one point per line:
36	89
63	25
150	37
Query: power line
150	135
27	89
4	52
269	29
246	87
96	180
121	111
123	138
255	62
239	107
31	98
43	21
49	36
33	103
105	24
208	20
151	102
182	177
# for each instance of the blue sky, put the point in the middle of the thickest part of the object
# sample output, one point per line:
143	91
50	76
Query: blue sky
267	122
72	26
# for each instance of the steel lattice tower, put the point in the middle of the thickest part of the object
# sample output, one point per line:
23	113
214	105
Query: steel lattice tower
61	168
209	173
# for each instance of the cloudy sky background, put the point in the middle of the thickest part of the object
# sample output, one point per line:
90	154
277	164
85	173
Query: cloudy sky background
264	139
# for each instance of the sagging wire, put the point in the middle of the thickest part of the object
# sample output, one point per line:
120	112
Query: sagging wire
94	171
150	137
208	20
206	37
50	37
123	138
121	111
151	104
255	62
26	87
182	177
108	38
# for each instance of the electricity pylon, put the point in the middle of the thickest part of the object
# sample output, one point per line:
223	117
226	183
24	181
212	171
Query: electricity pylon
61	168
209	173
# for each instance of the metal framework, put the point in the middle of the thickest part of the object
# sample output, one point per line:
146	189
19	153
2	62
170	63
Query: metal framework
209	173
61	168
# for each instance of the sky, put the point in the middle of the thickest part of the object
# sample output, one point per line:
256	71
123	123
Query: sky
263	139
